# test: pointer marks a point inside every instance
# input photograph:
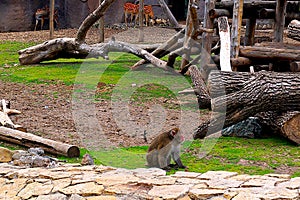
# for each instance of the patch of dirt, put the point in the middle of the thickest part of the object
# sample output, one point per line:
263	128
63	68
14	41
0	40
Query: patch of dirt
47	111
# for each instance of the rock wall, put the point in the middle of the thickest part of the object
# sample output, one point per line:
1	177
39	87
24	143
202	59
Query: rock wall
17	15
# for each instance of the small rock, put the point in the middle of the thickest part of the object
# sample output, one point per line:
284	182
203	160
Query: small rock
5	155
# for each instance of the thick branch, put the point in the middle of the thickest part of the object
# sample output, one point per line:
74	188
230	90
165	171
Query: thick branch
91	19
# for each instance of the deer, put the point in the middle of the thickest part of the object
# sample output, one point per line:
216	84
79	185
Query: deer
133	10
43	13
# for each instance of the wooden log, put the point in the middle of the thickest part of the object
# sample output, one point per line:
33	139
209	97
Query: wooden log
170	45
31	140
260	93
266	13
294	30
295	66
286	124
248	4
260	52
200	88
216	13
240	61
224	33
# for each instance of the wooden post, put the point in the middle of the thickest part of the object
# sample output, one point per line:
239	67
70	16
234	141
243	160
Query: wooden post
250	31
187	36
236	27
51	18
224	32
166	9
280	20
101	27
207	39
141	21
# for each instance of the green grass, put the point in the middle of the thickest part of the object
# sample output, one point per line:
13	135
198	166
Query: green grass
265	155
114	75
115	80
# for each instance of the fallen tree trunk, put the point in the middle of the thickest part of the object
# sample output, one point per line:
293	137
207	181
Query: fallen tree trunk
286	124
252	94
294	30
31	140
68	47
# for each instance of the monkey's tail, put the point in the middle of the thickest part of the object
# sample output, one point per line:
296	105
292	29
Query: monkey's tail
145	136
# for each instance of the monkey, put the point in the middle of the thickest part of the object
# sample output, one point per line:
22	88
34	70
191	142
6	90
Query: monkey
164	147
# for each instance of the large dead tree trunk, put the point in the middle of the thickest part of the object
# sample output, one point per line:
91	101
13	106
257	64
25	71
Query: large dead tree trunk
247	95
31	140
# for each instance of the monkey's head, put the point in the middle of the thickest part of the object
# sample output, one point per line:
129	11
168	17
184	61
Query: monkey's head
175	133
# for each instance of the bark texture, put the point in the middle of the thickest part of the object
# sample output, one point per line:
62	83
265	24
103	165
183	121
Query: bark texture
286	124
248	94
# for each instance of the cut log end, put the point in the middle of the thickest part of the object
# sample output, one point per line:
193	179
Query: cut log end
73	152
291	128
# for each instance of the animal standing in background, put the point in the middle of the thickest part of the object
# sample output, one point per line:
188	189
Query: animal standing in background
133	10
148	12
164	147
42	14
